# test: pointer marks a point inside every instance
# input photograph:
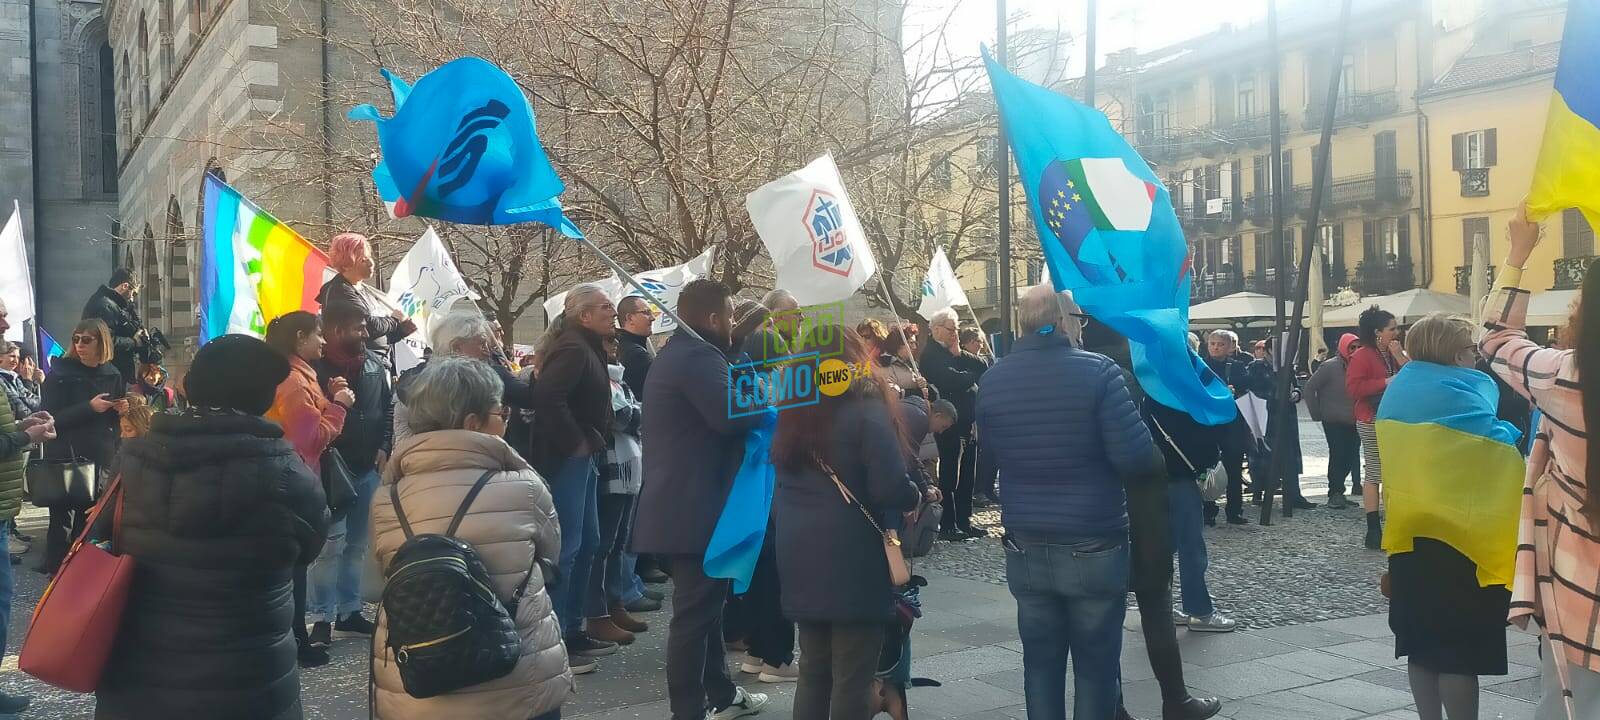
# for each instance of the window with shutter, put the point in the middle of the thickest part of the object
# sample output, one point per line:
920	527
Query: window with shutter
1458	151
1261	253
1385	161
1370	252
1475	150
1577	236
1489	151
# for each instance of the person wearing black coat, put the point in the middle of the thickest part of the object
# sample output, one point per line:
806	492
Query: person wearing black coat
635	320
217	510
834	574
1228	363
85	395
956	378
113	305
693	446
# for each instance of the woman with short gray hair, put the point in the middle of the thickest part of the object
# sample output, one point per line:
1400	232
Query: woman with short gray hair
462	332
458	418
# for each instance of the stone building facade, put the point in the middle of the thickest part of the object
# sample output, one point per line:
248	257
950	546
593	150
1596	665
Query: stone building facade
58	148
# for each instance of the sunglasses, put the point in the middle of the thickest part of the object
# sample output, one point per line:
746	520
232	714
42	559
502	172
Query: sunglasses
84	339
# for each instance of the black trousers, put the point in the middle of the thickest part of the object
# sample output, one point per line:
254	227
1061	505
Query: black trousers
1344	456
66	524
987	473
299	627
836	678
697	669
615	513
958	461
769	633
1151	545
1234	442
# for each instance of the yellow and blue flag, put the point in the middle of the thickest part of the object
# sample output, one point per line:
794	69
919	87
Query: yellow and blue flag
462	147
1568	172
1109	235
1451	469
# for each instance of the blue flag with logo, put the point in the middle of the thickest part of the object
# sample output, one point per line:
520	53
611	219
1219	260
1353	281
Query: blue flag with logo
742	528
462	147
1109	235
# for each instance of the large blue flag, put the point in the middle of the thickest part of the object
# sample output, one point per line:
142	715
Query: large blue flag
1109	235
462	147
741	530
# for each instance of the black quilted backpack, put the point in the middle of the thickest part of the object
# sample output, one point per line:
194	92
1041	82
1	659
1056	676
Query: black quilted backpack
447	630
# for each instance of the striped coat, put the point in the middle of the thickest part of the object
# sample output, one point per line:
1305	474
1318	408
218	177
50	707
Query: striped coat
1557	580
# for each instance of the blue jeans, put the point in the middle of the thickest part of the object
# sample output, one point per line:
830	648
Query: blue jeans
8	586
333	581
1185	515
623	576
573	489
1071	598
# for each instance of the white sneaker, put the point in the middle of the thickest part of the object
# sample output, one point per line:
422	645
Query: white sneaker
1179	617
1213	623
750	666
744	703
781	674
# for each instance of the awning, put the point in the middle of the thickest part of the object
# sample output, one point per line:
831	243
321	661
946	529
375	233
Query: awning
1239	310
1408	307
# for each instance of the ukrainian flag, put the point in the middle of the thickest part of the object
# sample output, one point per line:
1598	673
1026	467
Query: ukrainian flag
1568	172
1451	469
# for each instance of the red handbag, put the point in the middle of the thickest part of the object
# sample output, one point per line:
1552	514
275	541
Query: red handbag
75	624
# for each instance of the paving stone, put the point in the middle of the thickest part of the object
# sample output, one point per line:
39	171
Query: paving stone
1214	649
1245	679
1287	704
1492	706
1311	636
1359	695
1368	626
967	663
960	698
1317	664
1528	689
1372	651
1395	678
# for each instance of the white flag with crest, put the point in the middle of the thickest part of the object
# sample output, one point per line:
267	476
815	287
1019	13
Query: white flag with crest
941	288
16	281
810	229
424	285
665	283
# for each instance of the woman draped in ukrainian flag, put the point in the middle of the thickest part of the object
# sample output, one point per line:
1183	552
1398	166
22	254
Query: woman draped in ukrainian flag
1453	485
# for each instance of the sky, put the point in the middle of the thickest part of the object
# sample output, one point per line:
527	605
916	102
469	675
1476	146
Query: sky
1141	24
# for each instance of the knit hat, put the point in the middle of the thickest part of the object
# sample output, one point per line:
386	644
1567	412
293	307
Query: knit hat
236	372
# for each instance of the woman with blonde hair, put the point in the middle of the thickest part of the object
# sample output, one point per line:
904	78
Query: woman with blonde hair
1558	542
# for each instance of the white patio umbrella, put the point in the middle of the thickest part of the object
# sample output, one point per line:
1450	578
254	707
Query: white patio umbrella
1239	310
1408	307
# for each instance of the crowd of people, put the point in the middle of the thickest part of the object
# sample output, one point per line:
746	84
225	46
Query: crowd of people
555	494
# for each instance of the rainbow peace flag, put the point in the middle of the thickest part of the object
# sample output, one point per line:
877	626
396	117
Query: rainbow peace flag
1568	172
253	268
1451	469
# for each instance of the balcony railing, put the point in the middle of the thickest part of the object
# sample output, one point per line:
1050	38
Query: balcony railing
1355	108
1475	182
1169	142
1266	281
1384	277
1251	129
1214	285
1570	270
1356	189
1464	279
984	297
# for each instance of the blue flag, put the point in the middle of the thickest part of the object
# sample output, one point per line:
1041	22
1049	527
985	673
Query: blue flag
742	528
462	147
49	350
1109	235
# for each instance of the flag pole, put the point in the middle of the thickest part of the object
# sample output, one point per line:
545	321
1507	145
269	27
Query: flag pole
1002	160
1279	421
625	275
899	323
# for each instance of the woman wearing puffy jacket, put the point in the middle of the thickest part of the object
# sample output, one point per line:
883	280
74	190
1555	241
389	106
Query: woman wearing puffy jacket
457	417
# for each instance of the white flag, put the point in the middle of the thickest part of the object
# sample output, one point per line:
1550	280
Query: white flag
940	289
811	231
423	286
665	283
16	280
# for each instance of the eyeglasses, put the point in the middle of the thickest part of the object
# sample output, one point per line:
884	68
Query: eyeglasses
1083	320
84	339
503	412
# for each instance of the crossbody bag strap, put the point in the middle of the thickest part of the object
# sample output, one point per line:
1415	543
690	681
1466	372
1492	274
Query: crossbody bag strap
1174	445
848	497
461	512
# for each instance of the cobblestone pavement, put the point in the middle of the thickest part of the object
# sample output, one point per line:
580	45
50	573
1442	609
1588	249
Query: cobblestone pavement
1277	581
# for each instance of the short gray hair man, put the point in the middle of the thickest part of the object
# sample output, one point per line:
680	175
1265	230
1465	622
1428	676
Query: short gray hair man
459	332
450	389
779	300
1041	306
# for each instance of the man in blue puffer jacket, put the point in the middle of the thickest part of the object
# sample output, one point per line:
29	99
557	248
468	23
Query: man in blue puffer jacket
1065	434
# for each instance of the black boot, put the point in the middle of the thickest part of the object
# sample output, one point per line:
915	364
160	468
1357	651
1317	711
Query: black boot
1374	532
1192	708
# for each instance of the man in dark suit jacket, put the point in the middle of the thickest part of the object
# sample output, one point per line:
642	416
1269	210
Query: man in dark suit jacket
955	375
692	449
113	305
